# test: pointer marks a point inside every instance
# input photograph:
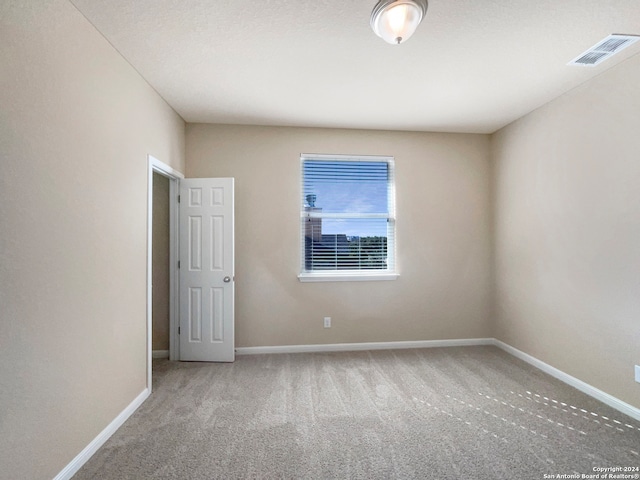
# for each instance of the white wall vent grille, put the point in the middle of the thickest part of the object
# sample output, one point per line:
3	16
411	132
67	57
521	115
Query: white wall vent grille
603	50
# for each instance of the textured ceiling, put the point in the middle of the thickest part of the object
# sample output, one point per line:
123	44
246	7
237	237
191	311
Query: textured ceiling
472	66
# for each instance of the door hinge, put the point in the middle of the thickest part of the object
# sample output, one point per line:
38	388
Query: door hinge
178	330
178	198
178	264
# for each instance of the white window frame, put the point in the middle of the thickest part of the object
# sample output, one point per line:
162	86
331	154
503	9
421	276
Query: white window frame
351	275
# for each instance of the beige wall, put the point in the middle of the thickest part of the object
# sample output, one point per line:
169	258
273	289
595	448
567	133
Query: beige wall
567	236
442	236
160	304
76	124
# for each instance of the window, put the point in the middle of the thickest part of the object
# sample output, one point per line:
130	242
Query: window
347	218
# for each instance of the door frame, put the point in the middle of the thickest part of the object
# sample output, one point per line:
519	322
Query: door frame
155	165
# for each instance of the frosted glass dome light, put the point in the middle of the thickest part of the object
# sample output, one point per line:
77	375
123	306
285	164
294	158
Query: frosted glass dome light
396	20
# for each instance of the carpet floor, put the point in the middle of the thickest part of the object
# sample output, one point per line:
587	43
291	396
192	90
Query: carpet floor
443	413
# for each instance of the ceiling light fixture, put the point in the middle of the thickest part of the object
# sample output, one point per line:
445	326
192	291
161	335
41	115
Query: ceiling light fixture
396	20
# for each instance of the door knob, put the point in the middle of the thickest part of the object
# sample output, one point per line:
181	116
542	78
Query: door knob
226	279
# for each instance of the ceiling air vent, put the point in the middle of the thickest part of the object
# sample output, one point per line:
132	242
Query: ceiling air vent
603	50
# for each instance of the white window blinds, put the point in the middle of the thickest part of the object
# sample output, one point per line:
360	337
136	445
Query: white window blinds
347	214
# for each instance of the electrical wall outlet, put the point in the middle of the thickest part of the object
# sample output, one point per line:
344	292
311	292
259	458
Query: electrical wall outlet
327	322
638	373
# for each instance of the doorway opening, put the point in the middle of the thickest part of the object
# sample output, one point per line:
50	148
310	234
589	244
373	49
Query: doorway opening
160	267
162	277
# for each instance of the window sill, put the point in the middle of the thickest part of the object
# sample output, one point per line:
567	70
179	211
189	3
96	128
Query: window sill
346	277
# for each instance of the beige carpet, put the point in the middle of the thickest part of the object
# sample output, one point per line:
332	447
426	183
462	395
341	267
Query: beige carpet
447	413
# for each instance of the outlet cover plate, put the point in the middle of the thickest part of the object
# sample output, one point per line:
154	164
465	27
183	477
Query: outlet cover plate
638	373
327	322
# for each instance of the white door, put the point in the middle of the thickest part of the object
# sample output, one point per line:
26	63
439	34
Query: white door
206	270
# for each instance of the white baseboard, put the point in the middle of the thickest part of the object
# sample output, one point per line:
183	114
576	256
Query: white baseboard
160	354
71	469
590	390
353	347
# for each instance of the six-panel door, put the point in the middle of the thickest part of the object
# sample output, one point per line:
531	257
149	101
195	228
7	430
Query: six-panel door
206	270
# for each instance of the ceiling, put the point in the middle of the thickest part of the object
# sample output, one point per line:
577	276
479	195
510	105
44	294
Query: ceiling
472	66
